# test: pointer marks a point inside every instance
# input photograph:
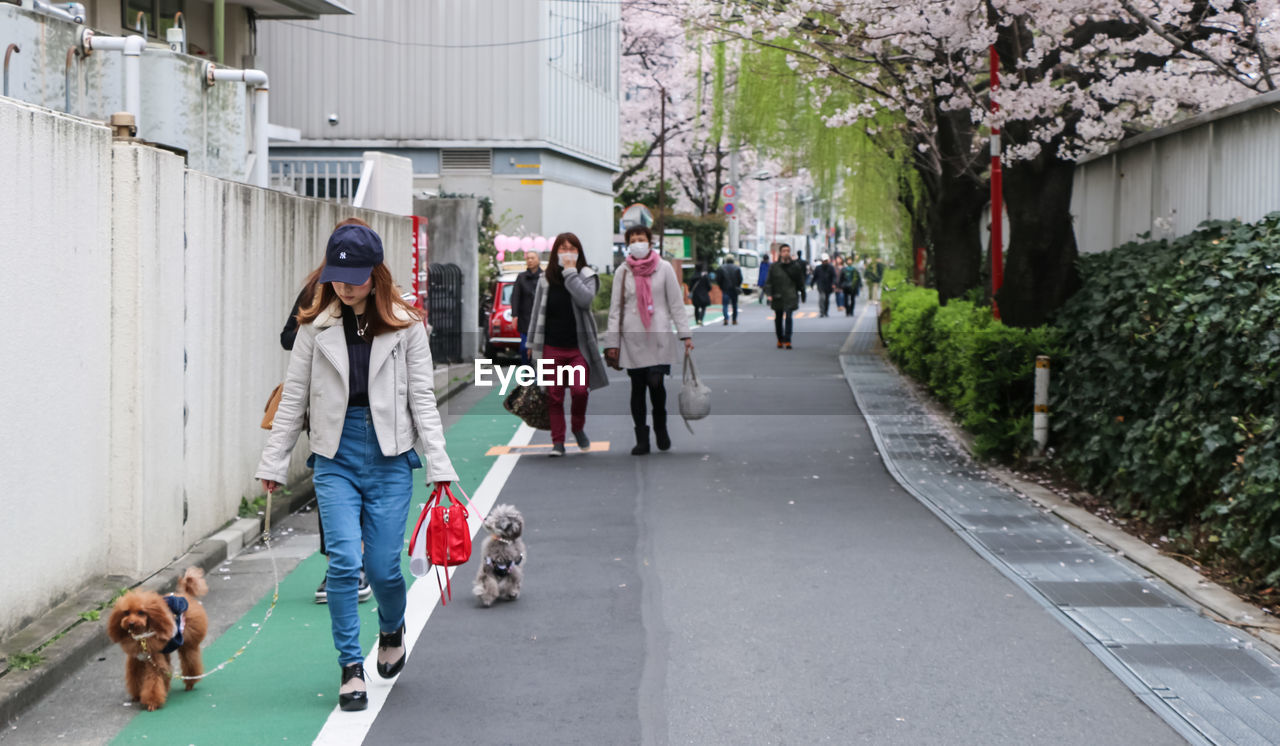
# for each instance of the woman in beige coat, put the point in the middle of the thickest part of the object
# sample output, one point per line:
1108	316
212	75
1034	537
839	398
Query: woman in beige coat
647	302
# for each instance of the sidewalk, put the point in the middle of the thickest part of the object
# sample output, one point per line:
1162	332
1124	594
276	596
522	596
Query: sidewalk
70	641
1210	682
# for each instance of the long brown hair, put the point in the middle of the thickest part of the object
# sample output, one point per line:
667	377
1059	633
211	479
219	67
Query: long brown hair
555	273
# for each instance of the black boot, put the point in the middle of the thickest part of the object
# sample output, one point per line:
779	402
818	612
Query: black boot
353	701
660	434
642	441
392	640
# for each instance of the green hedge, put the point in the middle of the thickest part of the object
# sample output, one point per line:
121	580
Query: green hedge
982	369
1170	401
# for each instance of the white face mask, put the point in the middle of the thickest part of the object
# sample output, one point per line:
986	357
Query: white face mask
639	250
568	258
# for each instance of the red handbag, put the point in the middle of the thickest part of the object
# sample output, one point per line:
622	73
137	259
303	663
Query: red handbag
441	538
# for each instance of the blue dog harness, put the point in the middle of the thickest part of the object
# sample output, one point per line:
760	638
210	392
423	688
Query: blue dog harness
178	605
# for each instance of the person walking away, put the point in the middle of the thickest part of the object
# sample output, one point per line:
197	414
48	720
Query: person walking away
562	329
700	292
526	285
824	280
804	273
875	274
361	368
783	288
646	303
837	262
764	275
851	284
287	337
729	278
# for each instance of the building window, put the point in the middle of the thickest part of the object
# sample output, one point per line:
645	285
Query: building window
158	15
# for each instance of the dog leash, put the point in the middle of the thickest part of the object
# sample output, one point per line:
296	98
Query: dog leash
275	597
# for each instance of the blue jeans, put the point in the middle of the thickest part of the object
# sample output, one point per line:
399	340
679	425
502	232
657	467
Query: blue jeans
730	298
524	348
363	496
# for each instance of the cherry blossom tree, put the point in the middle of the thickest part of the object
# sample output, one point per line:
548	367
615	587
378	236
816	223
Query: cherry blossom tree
1077	76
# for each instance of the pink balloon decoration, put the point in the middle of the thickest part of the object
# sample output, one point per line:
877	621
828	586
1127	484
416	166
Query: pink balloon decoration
526	243
540	244
500	242
501	255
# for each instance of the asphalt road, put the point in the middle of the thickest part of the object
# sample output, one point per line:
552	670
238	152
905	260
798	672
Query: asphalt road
764	582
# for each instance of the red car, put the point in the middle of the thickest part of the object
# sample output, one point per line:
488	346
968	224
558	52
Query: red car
503	336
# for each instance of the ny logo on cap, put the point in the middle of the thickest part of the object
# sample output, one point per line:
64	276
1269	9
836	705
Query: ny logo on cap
342	255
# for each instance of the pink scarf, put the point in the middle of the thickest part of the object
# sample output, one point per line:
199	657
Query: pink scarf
643	270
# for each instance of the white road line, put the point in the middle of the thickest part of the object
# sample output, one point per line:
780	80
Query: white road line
346	728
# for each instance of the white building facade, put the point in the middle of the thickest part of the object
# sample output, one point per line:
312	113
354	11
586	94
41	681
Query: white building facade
516	100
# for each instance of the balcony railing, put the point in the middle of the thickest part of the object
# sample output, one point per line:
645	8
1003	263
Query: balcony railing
324	178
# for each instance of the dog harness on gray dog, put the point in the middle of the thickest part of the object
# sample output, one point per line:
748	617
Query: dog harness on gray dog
501	569
178	605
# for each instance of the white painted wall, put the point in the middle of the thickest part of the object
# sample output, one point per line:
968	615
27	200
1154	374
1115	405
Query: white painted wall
1220	165
588	214
148	317
55	219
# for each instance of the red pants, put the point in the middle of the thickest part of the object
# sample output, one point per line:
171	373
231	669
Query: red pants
562	356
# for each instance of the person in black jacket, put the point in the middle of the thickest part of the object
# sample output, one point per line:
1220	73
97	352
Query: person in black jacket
824	279
522	299
804	270
700	292
729	278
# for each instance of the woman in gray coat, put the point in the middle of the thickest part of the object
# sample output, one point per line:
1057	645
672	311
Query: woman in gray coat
562	330
647	302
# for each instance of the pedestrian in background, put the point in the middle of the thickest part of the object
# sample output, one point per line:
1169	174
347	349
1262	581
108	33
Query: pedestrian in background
526	285
783	285
764	275
361	368
803	264
562	329
851	284
700	292
824	281
645	305
729	278
875	274
837	262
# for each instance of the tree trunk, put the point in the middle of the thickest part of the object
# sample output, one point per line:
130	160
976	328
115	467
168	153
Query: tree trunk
1040	271
955	212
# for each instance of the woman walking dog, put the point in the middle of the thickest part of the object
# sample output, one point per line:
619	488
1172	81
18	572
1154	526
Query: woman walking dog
361	367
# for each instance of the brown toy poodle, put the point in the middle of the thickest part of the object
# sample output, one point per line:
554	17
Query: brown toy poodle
148	627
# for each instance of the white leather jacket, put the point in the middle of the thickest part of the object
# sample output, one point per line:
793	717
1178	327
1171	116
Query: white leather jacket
402	398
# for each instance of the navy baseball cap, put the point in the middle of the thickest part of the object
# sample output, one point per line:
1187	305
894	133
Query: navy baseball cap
351	255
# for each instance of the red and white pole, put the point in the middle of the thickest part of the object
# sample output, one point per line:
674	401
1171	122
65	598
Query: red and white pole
997	193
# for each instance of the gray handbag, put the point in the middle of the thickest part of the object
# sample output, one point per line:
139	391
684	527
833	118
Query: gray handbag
695	396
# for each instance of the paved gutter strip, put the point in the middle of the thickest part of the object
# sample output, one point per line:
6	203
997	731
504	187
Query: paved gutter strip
1198	675
82	641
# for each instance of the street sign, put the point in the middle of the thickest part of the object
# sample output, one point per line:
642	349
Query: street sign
728	208
728	191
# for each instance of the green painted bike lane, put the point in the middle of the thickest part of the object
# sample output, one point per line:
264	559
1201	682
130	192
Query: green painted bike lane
285	685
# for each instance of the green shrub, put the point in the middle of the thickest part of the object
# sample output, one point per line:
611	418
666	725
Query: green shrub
982	369
1169	403
604	294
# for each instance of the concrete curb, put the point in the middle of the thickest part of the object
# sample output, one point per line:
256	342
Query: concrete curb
70	641
1215	601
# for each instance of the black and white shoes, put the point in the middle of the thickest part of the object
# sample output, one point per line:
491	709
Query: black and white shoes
391	649
352	695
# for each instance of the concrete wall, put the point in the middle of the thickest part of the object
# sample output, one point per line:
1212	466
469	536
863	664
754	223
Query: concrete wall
55	215
150	306
453	227
211	125
1220	165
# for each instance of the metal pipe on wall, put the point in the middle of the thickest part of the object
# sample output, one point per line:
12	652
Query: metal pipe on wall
261	173
131	47
8	52
66	75
219	29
